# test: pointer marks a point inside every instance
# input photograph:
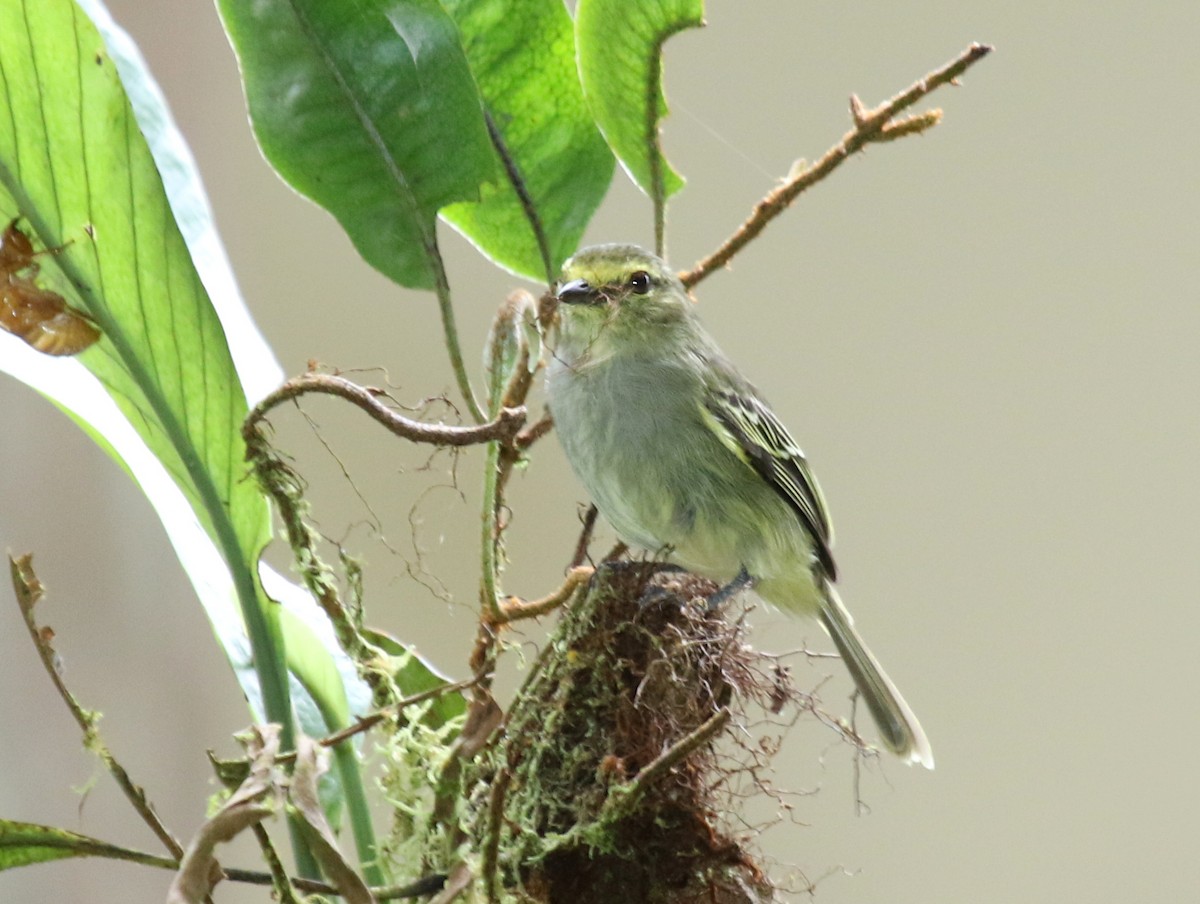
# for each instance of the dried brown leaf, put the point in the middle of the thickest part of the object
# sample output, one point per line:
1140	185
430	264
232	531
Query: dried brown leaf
311	763
254	800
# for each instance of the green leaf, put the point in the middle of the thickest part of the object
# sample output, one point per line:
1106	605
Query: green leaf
414	675
160	391
77	169
369	109
558	167
76	165
620	64
24	843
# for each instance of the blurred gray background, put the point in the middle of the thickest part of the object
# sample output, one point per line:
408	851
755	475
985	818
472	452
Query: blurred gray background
985	339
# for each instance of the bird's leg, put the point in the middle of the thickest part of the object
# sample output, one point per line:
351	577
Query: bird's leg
741	581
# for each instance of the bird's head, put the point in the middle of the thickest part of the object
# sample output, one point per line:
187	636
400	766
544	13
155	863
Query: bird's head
619	296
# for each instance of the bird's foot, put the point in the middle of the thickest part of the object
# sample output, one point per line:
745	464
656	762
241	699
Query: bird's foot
741	581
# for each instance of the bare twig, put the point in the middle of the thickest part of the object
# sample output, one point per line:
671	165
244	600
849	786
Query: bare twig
29	590
619	549
585	536
513	452
623	799
482	661
909	125
418	889
82	846
506	425
534	432
869	126
514	608
371	719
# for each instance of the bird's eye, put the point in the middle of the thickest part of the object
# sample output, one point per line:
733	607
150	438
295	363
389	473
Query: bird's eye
640	282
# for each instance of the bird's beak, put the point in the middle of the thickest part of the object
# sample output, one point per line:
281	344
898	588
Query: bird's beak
577	291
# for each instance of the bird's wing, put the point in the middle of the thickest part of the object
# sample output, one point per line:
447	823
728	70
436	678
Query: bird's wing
752	431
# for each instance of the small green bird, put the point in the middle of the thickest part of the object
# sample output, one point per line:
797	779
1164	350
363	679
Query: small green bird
680	453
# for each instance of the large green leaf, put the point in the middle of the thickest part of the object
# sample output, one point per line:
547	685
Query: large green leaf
74	165
77	168
558	167
368	108
89	155
620	64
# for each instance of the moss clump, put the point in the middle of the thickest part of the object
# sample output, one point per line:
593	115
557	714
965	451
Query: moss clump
602	787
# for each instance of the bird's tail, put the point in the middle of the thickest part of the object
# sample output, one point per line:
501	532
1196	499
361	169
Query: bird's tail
898	726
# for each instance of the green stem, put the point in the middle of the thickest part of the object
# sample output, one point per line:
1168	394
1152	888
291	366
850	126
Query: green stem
359	812
450	330
349	771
